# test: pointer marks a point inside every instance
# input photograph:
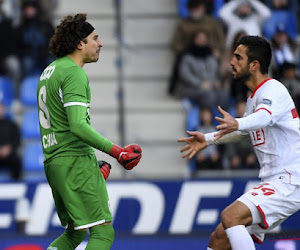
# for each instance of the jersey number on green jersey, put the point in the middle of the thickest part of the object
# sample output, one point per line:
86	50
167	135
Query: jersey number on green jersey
44	116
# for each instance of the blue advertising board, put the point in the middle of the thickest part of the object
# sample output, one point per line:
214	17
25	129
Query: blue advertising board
162	210
138	243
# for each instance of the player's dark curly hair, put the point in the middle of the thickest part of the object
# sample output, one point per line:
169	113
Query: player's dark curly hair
67	35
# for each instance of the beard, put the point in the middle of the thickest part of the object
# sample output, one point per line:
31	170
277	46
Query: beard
242	76
91	58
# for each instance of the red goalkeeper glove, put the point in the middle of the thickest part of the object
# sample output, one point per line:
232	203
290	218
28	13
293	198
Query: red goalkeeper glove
128	156
104	168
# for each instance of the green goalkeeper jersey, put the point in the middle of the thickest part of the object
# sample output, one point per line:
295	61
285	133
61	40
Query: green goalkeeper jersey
64	97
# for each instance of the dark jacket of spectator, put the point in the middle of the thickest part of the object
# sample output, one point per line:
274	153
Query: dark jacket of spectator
198	19
199	74
9	145
33	38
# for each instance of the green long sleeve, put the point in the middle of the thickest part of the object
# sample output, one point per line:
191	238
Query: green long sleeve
82	129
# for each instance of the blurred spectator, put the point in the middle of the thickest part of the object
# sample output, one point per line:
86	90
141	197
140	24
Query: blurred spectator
185	30
11	9
237	91
9	63
291	81
33	37
212	7
9	145
47	8
240	155
210	157
199	77
284	49
281	14
198	19
243	15
290	5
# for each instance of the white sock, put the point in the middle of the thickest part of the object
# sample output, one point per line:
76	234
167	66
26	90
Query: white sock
209	248
239	238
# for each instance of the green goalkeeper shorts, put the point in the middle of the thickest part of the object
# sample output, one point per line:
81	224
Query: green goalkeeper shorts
79	191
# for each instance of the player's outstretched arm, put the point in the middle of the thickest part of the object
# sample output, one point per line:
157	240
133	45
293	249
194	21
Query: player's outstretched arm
128	157
194	143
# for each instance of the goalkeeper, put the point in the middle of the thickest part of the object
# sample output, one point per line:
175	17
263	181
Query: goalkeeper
71	168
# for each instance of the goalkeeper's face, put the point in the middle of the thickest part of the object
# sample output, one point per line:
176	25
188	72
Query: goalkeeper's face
92	48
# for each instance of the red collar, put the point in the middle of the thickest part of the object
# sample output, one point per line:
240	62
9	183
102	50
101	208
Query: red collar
259	85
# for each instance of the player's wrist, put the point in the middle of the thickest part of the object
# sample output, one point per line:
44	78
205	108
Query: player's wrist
239	123
115	151
210	138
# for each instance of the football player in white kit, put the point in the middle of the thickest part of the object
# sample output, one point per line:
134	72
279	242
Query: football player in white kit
272	122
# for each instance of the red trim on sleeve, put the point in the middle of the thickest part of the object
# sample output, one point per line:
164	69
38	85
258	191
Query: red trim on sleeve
259	85
255	239
266	225
265	110
295	113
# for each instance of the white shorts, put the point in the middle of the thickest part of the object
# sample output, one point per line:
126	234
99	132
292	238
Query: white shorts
270	204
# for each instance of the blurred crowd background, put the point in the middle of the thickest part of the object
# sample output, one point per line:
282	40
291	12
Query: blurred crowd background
173	71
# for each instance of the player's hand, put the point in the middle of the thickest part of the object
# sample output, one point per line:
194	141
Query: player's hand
195	143
105	168
128	156
227	124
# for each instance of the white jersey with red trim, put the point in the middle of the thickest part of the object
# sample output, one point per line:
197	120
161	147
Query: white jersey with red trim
277	146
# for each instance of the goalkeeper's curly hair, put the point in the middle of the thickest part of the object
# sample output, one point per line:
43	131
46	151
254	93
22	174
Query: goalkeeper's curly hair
67	35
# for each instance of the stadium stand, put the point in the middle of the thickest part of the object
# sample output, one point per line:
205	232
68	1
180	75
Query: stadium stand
6	91
152	118
33	157
28	91
30	126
